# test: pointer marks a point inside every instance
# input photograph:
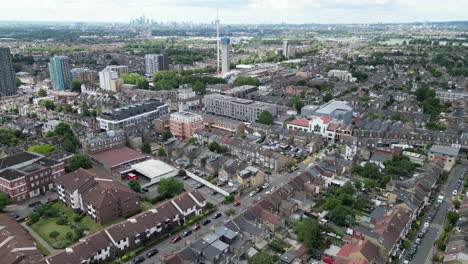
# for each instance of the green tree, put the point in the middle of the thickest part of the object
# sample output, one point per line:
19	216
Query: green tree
170	187
69	236
75	86
62	129
135	79
331	203
54	234
309	232
369	170
296	102
68	146
134	185
79	161
166	135
230	212
199	87
146	147
241	80
265	118
4	201
33	218
48	104
216	147
182	173
41	149
341	215
161	152
452	217
41	93
193	141
327	97
262	257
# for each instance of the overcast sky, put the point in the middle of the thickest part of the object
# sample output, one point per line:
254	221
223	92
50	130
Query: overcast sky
237	11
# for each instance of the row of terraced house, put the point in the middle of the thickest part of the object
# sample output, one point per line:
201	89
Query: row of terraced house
116	239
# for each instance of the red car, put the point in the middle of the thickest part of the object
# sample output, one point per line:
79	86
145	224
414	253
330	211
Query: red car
176	239
236	204
196	227
327	260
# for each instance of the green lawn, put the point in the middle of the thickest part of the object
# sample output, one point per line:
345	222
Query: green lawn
46	225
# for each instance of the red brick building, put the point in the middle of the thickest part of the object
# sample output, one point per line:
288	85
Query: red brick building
183	124
24	175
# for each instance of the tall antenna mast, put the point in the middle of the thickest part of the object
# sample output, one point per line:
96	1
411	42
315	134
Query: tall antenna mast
217	42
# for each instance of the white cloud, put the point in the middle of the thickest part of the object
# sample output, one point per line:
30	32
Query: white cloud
238	11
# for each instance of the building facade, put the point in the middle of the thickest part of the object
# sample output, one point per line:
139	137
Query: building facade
123	117
156	62
109	80
25	175
7	74
183	124
83	75
59	70
236	108
104	141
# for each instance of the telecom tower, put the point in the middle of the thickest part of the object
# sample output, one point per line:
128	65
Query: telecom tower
217	42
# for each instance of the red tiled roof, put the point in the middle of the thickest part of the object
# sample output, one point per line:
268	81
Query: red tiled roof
300	122
332	127
115	157
325	119
345	250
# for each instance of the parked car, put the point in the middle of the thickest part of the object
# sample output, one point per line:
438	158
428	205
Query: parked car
187	232
455	192
139	259
131	177
253	193
207	221
417	241
14	215
152	252
236	203
199	185
265	185
426	224
217	215
176	239
196	227
424	230
185	178
421	235
145	189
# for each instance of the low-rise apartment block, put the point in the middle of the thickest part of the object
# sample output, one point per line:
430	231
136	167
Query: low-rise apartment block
183	124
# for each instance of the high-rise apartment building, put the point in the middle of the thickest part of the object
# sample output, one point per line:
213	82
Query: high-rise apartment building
109	80
156	62
83	75
225	55
7	74
59	70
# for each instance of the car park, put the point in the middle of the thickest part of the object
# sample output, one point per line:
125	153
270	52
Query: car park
152	252
187	232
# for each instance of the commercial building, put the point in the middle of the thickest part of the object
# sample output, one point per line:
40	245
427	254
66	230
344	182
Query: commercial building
183	124
146	111
156	62
25	175
225	55
7	74
336	110
104	200
109	80
84	75
154	170
241	109
117	160
446	154
59	70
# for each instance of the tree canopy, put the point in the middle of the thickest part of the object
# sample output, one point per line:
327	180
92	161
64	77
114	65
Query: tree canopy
265	118
241	80
4	201
170	187
296	102
76	86
41	92
135	79
309	232
79	161
262	257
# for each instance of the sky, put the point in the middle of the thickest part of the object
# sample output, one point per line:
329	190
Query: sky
237	11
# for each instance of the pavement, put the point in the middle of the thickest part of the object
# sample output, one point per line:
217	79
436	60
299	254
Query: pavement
425	252
39	239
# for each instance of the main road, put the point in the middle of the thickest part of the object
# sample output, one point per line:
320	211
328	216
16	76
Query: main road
425	249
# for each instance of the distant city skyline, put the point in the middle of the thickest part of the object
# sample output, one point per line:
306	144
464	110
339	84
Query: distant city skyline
239	11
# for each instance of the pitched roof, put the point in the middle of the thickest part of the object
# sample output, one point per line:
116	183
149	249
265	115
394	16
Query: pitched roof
300	122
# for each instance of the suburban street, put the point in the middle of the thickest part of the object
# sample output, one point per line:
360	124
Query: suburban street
165	247
425	249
